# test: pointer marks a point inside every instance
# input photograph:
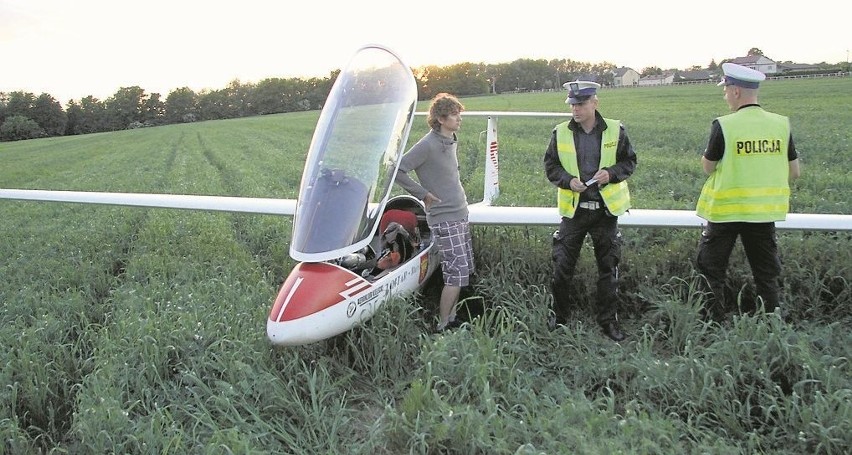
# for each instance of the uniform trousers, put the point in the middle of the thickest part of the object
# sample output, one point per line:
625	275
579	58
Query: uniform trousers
567	242
761	249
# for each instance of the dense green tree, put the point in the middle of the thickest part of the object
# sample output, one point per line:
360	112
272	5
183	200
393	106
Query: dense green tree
215	104
125	107
527	74
269	96
93	116
315	90
45	111
182	106
293	96
48	113
424	78
275	95
463	79
4	101
491	74
604	73
20	103
18	128
239	95
570	70
556	80
73	113
469	79
651	71
754	51
153	110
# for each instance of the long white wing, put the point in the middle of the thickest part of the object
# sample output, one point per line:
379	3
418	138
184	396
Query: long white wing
481	213
175	201
196	202
549	216
507	114
485	213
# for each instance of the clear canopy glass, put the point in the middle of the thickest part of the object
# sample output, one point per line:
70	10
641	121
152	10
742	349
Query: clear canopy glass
354	155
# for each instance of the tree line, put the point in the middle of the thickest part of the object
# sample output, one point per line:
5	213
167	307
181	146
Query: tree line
26	116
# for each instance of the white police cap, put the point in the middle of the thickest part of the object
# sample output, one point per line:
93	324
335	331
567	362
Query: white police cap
579	91
740	76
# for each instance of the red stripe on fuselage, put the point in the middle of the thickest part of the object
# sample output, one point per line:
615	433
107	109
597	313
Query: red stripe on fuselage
313	287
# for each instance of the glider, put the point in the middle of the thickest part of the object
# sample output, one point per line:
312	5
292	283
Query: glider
356	245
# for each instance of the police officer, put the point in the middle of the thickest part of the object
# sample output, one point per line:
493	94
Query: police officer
750	159
589	159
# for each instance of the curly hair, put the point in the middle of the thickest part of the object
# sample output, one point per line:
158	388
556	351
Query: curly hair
442	105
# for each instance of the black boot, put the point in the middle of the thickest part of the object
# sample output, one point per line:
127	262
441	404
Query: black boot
612	330
553	322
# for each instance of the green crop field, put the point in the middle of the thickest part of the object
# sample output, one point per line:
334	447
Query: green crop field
135	330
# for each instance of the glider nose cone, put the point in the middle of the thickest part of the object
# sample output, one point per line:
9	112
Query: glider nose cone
310	304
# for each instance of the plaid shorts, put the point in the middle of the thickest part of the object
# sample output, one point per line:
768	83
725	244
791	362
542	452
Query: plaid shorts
456	251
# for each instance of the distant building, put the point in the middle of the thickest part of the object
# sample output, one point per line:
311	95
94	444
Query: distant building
625	77
656	79
693	76
758	62
787	67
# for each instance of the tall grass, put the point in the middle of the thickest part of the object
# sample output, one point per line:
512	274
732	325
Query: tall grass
135	330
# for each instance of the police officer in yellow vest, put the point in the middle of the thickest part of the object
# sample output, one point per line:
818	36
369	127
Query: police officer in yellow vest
589	159
750	158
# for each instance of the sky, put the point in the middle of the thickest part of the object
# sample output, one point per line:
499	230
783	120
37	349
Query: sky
73	49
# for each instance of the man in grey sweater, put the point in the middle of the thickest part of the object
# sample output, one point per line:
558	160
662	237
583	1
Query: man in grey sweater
435	162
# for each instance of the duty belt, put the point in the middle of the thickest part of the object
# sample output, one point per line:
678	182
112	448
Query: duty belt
591	205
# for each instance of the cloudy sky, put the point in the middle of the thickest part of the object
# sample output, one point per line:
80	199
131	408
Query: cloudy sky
72	49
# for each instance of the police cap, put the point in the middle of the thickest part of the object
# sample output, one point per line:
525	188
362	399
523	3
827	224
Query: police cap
579	91
740	76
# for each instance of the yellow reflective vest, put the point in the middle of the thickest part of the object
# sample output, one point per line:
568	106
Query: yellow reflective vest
616	196
750	182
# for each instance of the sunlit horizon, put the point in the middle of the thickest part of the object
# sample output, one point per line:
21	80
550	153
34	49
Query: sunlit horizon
71	50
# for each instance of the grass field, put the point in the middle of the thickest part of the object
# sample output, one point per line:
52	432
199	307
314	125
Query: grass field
132	330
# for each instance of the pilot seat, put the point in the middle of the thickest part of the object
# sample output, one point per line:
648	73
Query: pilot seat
399	238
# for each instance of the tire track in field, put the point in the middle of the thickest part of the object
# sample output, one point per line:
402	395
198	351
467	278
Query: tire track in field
84	327
225	175
241	223
120	232
118	268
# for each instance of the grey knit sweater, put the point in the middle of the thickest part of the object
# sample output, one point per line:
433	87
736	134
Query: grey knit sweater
435	162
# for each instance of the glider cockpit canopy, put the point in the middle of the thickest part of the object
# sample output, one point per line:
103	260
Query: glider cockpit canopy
354	154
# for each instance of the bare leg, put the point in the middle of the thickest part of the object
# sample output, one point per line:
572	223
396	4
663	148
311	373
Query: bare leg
449	298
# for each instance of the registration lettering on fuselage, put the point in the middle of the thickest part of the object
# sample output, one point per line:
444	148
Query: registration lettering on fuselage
382	291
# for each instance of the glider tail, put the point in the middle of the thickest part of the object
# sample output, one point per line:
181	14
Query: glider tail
492	181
